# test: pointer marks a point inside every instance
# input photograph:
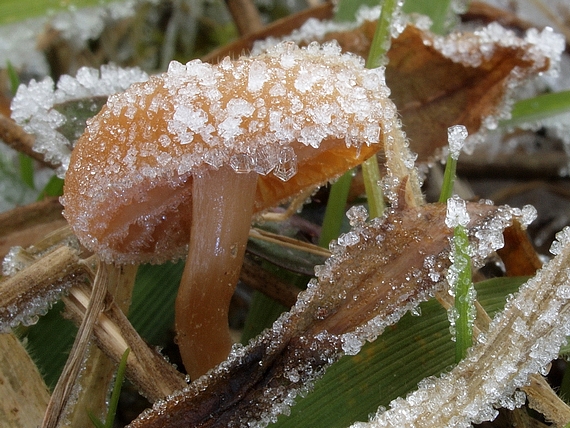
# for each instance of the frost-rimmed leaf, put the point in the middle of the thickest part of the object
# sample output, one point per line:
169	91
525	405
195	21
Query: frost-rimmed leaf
521	341
57	115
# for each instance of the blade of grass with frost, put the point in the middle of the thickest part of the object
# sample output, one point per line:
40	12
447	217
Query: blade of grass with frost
376	58
464	305
461	281
390	367
538	108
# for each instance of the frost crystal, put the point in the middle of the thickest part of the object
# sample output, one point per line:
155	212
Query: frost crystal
35	106
457	214
456	136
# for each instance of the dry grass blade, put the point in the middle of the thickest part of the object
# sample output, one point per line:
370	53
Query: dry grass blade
14	136
246	16
31	290
23	393
520	342
149	371
23	225
63	390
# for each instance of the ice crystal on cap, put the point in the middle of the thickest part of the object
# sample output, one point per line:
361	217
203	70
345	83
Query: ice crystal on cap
34	106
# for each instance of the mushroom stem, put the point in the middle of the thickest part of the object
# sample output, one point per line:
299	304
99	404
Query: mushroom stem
221	217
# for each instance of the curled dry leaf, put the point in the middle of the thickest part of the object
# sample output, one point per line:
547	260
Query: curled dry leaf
377	272
462	78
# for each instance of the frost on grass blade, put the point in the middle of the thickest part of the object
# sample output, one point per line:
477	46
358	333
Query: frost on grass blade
56	116
521	341
367	284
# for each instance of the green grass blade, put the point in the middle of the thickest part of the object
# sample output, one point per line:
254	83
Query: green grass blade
13	76
376	58
26	170
115	395
19	10
448	179
346	9
334	214
413	349
541	107
54	187
464	298
95	421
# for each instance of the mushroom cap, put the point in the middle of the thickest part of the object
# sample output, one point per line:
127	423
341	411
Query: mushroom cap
297	117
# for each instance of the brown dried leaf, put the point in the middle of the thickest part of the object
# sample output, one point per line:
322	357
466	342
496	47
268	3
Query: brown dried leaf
518	254
363	288
427	87
430	88
433	93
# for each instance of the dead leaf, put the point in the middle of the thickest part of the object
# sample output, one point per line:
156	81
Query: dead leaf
433	92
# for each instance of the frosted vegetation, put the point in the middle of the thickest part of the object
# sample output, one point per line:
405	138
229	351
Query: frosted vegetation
269	115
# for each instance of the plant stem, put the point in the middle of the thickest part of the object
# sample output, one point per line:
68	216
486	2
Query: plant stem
448	179
463	294
376	58
334	213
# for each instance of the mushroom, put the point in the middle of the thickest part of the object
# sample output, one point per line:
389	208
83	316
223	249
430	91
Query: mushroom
180	163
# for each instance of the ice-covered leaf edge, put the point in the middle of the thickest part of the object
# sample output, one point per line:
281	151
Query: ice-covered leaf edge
522	340
35	105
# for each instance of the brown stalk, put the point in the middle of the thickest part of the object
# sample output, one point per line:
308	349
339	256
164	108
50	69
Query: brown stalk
23	225
261	280
42	277
149	371
99	369
67	381
246	16
279	28
15	137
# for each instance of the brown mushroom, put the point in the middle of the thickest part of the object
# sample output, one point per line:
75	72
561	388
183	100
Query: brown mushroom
179	164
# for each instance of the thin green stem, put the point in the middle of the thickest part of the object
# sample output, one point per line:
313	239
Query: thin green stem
334	213
376	58
115	395
382	35
114	401
463	294
371	175
448	179
339	191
